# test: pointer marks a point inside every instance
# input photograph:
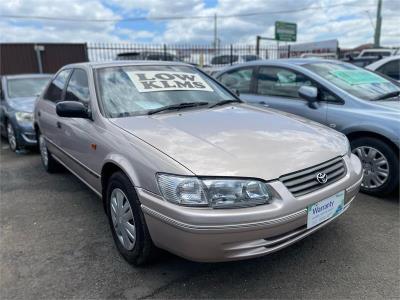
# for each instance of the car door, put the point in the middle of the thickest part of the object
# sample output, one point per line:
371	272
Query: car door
46	111
79	135
239	79
277	87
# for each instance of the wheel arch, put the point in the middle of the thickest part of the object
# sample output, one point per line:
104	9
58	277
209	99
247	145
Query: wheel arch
110	167
360	134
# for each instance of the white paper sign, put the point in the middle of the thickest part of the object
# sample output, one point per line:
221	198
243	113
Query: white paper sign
325	209
153	81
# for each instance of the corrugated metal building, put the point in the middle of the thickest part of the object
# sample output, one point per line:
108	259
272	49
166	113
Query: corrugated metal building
21	58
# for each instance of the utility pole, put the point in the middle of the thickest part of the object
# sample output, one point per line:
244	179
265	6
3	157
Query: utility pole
215	34
378	25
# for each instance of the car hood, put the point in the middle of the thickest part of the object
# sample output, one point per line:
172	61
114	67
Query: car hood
237	140
25	104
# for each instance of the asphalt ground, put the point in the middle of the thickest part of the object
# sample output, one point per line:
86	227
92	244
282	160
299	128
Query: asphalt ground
55	243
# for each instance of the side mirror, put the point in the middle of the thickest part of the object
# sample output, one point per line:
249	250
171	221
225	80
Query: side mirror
310	94
72	109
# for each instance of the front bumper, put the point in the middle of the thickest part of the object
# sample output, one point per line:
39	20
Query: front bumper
211	235
26	136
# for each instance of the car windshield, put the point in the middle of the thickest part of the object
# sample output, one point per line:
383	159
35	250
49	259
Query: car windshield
26	87
354	80
138	90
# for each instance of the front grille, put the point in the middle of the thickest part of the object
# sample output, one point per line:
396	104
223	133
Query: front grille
305	181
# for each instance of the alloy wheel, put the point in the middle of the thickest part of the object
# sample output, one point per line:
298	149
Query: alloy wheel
122	218
12	140
375	165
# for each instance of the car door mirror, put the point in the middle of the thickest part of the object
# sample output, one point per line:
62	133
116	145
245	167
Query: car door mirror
310	94
236	92
72	109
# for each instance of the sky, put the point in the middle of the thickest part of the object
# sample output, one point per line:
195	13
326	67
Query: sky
351	22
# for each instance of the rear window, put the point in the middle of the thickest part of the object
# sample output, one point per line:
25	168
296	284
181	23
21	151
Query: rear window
224	59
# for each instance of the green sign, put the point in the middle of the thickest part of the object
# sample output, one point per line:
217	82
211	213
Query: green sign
286	32
355	77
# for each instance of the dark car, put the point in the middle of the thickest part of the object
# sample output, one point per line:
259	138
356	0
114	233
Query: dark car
147	55
18	94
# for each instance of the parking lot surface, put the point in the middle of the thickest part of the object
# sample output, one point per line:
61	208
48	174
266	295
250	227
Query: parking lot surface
56	243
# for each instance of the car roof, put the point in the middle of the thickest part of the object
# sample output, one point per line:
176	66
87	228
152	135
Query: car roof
119	63
22	76
288	61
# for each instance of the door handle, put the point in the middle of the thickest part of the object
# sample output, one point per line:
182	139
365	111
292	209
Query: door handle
39	114
58	125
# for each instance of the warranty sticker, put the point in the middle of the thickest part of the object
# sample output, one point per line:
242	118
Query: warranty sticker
155	81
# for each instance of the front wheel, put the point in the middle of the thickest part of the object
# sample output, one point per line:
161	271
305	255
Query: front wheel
127	222
380	163
12	138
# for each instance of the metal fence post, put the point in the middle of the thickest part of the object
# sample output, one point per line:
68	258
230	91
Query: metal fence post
231	54
258	45
288	53
38	49
165	51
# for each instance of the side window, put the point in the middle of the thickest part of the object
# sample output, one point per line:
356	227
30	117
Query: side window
55	89
324	95
274	81
391	69
239	79
78	87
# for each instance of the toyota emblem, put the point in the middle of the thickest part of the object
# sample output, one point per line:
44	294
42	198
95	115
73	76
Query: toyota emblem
322	178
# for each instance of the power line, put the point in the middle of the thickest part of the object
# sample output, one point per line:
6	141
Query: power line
169	18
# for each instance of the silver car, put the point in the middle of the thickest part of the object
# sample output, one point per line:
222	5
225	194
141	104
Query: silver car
182	164
359	103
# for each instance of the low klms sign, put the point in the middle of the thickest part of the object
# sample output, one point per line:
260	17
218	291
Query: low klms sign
285	32
155	81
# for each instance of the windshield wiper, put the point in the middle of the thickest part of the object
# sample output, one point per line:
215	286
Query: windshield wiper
176	106
223	102
388	95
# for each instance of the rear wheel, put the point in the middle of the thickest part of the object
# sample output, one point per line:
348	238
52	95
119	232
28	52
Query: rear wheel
380	163
127	222
48	162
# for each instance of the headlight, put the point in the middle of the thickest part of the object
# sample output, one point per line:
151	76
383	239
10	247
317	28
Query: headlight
216	193
24	117
348	148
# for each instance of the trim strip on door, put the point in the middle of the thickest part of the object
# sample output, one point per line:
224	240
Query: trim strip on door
90	171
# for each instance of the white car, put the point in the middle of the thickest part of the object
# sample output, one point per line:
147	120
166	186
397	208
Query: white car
389	66
383	52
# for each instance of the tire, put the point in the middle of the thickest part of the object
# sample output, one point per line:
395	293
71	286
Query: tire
139	250
378	159
48	162
12	137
